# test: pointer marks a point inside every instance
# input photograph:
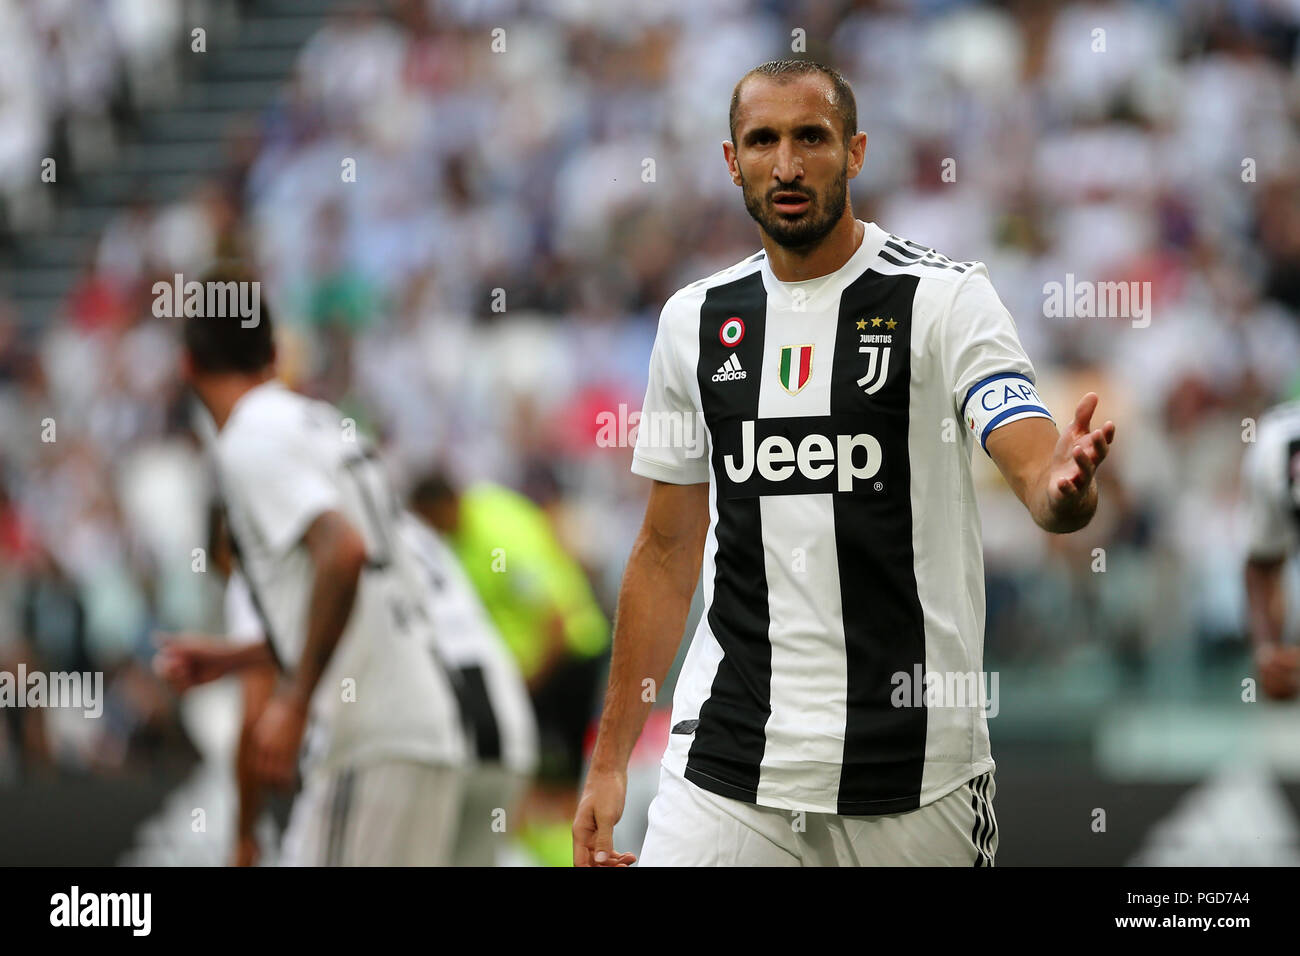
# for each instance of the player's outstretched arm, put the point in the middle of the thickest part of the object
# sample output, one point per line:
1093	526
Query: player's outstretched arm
186	660
653	603
338	555
1052	473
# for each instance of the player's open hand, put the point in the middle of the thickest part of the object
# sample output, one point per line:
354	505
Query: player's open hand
277	739
1079	452
184	661
599	809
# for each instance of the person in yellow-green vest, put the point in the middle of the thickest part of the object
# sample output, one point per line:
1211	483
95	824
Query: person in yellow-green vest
540	600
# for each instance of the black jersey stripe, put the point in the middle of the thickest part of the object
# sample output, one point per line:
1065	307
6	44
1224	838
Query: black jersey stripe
925	256
910	258
983	820
477	711
730	738
925	249
896	260
884	632
990	828
921	262
978	824
903	250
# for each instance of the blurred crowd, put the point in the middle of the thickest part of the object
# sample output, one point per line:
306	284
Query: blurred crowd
467	215
72	73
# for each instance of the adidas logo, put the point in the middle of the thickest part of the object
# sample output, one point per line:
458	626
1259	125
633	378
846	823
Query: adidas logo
729	370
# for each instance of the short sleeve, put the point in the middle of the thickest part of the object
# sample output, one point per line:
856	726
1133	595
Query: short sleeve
243	625
279	485
1269	524
670	443
985	366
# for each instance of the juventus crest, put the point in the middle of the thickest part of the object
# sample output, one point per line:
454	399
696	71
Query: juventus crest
876	347
877	367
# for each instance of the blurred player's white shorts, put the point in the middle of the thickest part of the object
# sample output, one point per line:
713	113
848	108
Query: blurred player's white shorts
491	797
395	813
692	827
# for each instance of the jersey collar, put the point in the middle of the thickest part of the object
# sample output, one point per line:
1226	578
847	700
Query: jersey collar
873	240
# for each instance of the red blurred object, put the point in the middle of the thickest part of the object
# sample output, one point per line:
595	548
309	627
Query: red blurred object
598	412
96	302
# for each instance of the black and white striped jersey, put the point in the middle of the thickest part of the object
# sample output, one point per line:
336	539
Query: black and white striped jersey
1271	485
282	460
843	559
492	693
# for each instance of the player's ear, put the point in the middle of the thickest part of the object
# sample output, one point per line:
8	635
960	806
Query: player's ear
857	153
733	167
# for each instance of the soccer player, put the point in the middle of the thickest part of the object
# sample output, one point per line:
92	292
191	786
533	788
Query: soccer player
1271	486
842	376
493	699
313	523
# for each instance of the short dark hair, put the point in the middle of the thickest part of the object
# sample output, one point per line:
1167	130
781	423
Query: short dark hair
224	343
431	489
783	71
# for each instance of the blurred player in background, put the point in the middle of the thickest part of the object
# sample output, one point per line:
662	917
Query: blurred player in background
493	699
543	606
314	526
836	523
1271	480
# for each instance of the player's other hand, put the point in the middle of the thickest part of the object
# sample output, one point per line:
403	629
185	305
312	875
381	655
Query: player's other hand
277	739
1078	453
185	662
1279	671
599	809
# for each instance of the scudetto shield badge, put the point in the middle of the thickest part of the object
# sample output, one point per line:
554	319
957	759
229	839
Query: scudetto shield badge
796	367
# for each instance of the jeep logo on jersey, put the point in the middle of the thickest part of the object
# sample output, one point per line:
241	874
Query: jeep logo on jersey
799	456
795	367
732	331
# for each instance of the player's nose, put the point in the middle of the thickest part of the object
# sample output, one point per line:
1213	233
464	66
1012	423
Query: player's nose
788	166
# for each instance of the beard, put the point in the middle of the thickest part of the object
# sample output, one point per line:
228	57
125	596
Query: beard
805	230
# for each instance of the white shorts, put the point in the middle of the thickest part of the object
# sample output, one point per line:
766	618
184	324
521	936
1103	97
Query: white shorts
693	827
392	813
488	814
